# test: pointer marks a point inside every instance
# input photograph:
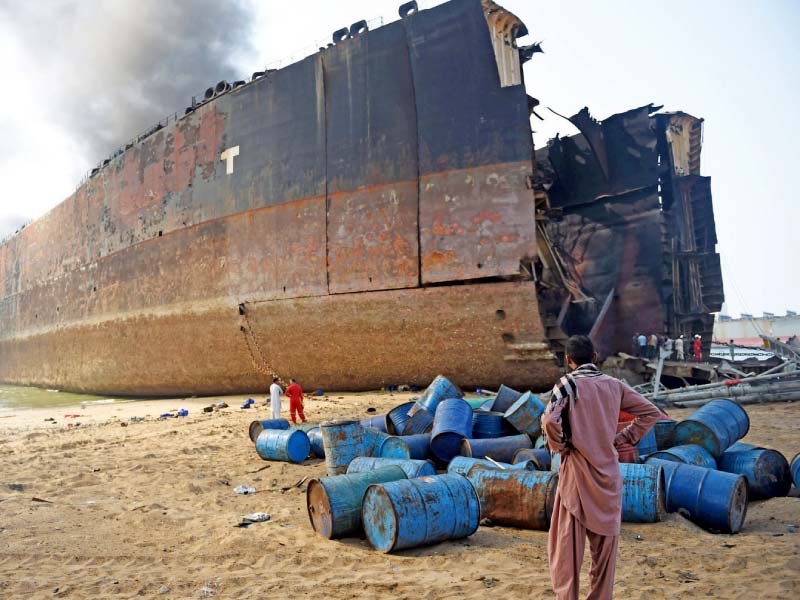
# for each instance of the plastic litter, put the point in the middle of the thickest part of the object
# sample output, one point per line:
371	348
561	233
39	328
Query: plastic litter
244	489
258	517
319	393
183	413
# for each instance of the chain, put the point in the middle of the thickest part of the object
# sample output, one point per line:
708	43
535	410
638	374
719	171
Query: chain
259	363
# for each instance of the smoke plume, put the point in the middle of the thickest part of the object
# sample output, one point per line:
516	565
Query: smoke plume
110	69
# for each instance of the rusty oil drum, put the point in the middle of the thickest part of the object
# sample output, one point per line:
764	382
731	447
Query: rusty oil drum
690	454
715	426
257	427
420	422
342	441
767	471
499	449
643	495
795	468
424	510
665	433
412	468
525	414
712	499
460	465
648	443
515	497
334	503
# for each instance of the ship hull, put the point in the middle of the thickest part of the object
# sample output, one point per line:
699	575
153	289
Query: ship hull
479	334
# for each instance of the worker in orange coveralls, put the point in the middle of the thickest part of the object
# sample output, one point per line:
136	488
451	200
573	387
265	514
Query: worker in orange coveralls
580	422
698	348
295	393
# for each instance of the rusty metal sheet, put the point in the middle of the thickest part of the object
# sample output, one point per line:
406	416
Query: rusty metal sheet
616	246
372	239
476	223
278	252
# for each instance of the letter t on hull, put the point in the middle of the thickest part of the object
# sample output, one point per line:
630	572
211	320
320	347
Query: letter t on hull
228	157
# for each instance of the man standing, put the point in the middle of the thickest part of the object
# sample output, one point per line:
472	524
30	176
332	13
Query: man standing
295	393
668	347
275	392
679	348
732	350
698	348
642	346
580	422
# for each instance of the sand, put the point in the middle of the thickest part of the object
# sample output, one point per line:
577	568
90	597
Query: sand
148	510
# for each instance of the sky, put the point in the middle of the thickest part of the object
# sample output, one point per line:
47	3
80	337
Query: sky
82	78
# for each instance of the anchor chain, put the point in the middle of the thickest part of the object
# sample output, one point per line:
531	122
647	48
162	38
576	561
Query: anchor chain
260	364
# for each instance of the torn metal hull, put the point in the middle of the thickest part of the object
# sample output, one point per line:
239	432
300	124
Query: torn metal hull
354	220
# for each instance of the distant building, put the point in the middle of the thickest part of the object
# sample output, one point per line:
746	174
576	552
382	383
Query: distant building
745	330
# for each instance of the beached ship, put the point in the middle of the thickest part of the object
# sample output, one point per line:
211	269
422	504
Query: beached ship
372	214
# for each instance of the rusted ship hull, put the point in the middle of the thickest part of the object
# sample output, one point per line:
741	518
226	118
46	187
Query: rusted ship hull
370	215
368	230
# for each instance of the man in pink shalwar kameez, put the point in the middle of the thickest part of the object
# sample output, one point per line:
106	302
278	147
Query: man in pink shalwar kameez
580	422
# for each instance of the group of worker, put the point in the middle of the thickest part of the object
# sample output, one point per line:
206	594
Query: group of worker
295	394
648	346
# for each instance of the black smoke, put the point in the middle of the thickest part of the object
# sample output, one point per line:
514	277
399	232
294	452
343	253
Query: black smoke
109	69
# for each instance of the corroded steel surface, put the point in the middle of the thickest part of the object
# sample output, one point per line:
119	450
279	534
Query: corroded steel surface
643	496
384	162
518	498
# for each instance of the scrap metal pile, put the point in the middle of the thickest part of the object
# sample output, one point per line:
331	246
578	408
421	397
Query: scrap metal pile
431	469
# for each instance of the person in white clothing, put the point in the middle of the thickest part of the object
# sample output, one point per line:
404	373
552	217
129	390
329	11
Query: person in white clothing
679	347
275	392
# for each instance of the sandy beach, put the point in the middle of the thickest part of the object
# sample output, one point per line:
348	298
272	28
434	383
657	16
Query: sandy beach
147	509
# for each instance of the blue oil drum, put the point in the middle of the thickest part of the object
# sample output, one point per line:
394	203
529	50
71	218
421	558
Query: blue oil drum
540	457
499	449
713	499
506	396
689	454
648	443
420	422
460	465
315	438
397	418
372	440
424	510
664	430
392	447
715	426
257	427
795	468
525	414
334	503
395	421
486	425
517	498
451	424
767	471
279	444
378	422
343	441
412	468
418	445
643	498
441	388
540	442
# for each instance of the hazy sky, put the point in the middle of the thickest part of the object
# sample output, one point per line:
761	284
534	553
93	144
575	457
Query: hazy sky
81	78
